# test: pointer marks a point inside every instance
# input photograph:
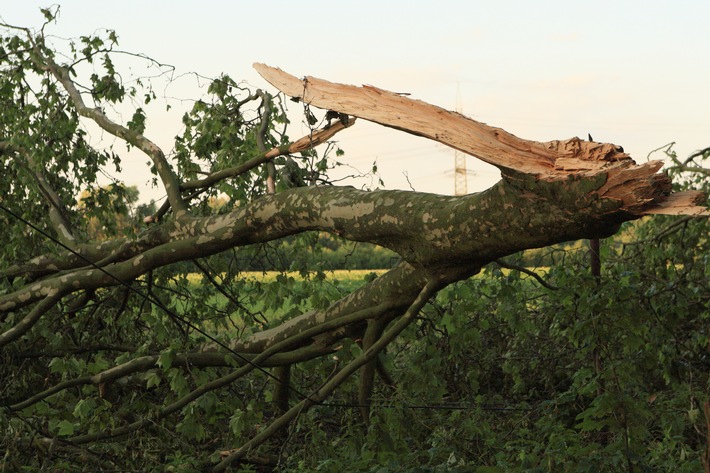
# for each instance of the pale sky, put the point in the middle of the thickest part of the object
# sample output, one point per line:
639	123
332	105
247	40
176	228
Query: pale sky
634	73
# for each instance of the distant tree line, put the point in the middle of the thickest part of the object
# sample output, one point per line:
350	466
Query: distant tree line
318	251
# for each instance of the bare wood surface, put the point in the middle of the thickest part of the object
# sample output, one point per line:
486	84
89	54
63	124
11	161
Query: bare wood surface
490	144
681	203
639	188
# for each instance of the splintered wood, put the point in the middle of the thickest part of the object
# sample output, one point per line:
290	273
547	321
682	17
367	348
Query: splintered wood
639	189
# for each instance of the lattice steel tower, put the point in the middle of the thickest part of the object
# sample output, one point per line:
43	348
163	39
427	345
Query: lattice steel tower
460	176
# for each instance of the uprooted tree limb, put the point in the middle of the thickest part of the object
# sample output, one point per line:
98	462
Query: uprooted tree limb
549	193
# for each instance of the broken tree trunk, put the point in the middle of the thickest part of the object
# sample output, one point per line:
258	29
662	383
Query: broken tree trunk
613	174
550	192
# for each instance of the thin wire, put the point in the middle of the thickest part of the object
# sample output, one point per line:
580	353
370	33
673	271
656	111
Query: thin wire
242	357
149	299
433	407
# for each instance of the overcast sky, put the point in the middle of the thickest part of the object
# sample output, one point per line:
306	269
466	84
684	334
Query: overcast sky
634	73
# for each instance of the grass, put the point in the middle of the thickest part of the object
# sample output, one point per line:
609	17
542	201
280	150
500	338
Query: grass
337	274
270	276
275	296
270	297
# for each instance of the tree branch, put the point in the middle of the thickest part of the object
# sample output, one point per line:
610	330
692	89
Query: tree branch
49	299
492	145
136	139
258	361
367	372
197	360
305	143
637	187
427	230
261	137
522	269
318	396
57	210
684	166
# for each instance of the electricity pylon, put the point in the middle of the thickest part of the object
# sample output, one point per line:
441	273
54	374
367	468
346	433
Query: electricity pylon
460	176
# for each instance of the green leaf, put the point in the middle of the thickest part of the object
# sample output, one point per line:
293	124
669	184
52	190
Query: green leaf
137	122
112	37
57	365
165	360
693	414
236	423
66	428
153	379
178	383
99	364
47	13
84	408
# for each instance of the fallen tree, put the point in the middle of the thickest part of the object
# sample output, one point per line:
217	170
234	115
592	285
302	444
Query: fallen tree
549	193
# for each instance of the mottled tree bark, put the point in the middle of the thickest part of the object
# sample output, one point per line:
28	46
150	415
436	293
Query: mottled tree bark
549	193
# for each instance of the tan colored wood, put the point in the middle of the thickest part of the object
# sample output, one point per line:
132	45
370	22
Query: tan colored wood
490	144
638	187
681	203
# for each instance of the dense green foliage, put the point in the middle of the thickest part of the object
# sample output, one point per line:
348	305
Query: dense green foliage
502	375
498	374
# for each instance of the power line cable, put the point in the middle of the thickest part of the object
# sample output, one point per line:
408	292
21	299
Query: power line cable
432	407
237	354
151	300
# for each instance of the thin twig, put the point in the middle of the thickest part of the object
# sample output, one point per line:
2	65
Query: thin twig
315	398
522	269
